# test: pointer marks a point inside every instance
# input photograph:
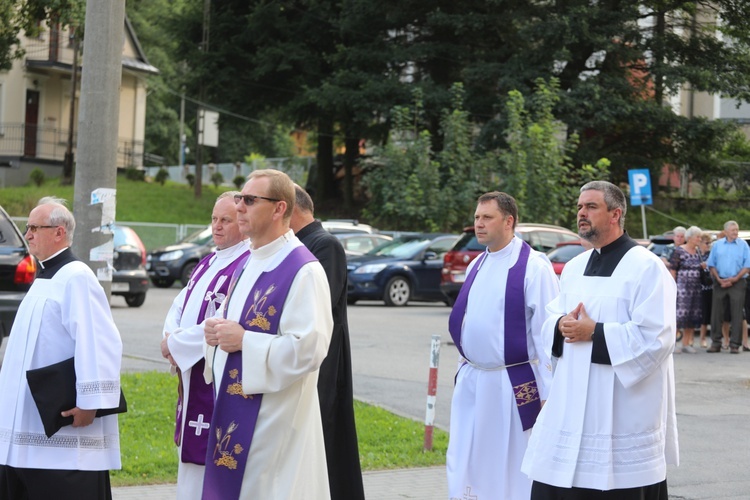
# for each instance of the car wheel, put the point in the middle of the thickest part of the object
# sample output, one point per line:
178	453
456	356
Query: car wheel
351	301
162	282
136	299
186	272
397	292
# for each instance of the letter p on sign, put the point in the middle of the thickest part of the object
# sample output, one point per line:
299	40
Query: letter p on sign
640	187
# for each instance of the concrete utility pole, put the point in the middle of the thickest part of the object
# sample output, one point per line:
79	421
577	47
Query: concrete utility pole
98	124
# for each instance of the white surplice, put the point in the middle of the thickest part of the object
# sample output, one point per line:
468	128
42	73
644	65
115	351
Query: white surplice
487	440
287	456
186	348
611	426
62	317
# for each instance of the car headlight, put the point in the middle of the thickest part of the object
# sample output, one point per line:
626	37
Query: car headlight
171	255
370	268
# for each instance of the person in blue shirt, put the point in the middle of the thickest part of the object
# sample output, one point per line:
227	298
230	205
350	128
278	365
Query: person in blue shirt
729	263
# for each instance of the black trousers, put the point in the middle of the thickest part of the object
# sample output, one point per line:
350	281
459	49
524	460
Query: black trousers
541	491
46	484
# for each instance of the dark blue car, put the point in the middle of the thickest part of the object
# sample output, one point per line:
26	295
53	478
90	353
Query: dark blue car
407	268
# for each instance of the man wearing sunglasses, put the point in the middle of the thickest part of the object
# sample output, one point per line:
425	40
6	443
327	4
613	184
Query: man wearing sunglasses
64	315
263	352
183	346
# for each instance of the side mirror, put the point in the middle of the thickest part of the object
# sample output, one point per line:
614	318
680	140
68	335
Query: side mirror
430	255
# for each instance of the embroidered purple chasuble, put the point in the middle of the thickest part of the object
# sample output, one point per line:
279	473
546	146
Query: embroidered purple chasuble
200	401
236	413
516	350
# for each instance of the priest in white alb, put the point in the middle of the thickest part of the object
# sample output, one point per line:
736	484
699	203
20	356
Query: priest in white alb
183	345
263	354
504	373
608	429
65	314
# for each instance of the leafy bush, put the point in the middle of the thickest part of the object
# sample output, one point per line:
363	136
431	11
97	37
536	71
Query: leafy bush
37	177
162	176
190	178
217	179
133	174
238	181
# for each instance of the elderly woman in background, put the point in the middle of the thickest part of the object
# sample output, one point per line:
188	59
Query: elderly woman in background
685	264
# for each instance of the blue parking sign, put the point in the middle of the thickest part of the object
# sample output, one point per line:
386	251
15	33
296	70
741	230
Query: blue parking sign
640	187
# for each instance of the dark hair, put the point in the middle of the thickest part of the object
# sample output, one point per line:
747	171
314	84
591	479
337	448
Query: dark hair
505	202
303	200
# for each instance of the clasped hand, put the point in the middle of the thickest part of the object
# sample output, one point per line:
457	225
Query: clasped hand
577	326
224	333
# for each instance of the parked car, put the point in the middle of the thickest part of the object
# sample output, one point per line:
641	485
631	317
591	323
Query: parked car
563	254
17	271
129	278
165	265
542	237
356	244
658	243
345	226
406	269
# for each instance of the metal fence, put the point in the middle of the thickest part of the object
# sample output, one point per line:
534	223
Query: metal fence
296	167
50	143
152	234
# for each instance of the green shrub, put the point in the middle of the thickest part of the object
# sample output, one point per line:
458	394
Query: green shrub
238	181
133	174
37	177
190	178
162	176
217	179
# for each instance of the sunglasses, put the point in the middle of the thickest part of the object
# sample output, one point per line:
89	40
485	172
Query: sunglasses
33	228
249	199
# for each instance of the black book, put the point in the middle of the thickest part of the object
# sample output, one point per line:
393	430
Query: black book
53	388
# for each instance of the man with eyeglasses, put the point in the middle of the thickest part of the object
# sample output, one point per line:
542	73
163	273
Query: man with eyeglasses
183	346
64	315
263	352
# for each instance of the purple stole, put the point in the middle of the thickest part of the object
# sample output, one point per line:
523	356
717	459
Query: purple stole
516	349
236	413
200	401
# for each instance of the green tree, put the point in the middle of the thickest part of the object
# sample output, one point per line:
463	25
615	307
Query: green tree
536	168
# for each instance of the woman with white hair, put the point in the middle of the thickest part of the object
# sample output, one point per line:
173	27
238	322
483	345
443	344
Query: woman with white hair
685	264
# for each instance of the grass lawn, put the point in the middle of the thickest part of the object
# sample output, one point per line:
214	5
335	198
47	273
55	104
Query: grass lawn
149	456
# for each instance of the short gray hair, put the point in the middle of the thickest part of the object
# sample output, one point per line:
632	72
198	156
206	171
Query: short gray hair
613	197
60	215
729	223
680	230
226	194
692	231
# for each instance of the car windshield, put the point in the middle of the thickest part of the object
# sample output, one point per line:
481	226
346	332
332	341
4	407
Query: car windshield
565	253
199	237
124	236
399	248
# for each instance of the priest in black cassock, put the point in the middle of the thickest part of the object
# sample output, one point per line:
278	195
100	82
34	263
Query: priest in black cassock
335	377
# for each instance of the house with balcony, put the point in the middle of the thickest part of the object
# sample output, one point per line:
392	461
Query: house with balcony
36	102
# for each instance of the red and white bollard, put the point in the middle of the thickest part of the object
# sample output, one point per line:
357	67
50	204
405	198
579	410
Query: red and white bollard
429	419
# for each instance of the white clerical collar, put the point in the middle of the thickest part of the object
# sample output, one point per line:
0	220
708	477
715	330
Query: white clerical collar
270	249
41	262
229	251
505	251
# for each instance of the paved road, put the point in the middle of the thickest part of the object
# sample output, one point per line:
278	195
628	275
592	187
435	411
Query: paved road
390	351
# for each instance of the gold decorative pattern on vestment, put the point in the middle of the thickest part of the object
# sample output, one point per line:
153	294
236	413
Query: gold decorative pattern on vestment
526	393
235	388
224	449
259	300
